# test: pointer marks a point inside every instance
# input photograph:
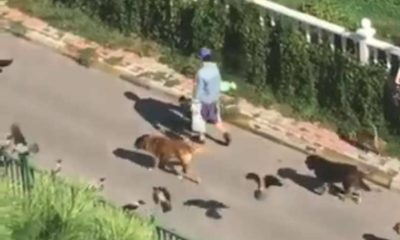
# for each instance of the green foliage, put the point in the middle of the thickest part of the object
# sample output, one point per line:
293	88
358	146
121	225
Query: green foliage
272	62
327	10
17	28
58	210
87	56
254	34
348	13
208	24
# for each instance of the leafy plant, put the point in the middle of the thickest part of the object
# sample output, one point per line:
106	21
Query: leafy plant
114	60
87	56
58	210
17	28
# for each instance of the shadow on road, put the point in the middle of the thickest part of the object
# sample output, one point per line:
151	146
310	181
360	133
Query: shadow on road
171	120
140	159
211	207
165	117
143	160
368	236
305	181
308	182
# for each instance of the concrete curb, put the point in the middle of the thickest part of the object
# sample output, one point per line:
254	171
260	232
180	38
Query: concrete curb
375	174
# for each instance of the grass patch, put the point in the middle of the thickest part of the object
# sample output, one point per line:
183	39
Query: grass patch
383	14
61	210
87	56
114	60
172	83
17	28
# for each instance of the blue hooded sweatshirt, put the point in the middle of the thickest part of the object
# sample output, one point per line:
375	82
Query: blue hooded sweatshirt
208	80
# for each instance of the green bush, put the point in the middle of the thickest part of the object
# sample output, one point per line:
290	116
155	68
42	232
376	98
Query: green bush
314	80
57	210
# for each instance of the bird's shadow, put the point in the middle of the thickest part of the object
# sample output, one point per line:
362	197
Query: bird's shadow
212	207
369	236
308	182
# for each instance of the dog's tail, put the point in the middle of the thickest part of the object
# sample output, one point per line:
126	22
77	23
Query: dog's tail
270	180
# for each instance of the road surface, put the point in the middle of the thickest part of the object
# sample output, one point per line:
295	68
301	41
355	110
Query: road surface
84	117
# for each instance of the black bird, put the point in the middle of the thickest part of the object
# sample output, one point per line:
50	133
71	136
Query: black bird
133	206
163	197
212	207
269	180
5	63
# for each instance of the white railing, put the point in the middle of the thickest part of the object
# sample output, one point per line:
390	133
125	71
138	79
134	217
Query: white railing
368	46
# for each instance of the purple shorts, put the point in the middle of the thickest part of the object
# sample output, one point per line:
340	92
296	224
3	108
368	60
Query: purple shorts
210	112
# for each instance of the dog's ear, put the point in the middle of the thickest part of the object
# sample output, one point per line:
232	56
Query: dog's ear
140	141
182	99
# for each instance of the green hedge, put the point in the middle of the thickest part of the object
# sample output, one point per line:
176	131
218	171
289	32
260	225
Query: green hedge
310	78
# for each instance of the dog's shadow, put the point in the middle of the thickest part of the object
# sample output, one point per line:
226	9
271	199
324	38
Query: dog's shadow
308	182
369	236
143	160
212	207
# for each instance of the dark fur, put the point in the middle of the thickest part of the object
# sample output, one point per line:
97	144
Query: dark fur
6	62
329	173
17	138
163	197
16	135
165	150
269	181
396	228
185	104
132	206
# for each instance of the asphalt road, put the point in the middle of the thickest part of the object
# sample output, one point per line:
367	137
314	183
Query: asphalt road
83	117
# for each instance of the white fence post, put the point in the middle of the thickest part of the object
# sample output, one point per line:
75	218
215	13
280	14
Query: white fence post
366	32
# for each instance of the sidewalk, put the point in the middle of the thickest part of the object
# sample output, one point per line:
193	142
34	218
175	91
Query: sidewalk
146	72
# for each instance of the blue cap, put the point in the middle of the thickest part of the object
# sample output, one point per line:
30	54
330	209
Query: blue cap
204	52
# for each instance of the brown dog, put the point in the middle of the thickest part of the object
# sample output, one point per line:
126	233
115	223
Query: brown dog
165	150
329	173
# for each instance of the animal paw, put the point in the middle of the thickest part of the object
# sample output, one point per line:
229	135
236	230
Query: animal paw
180	177
342	197
198	180
357	200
